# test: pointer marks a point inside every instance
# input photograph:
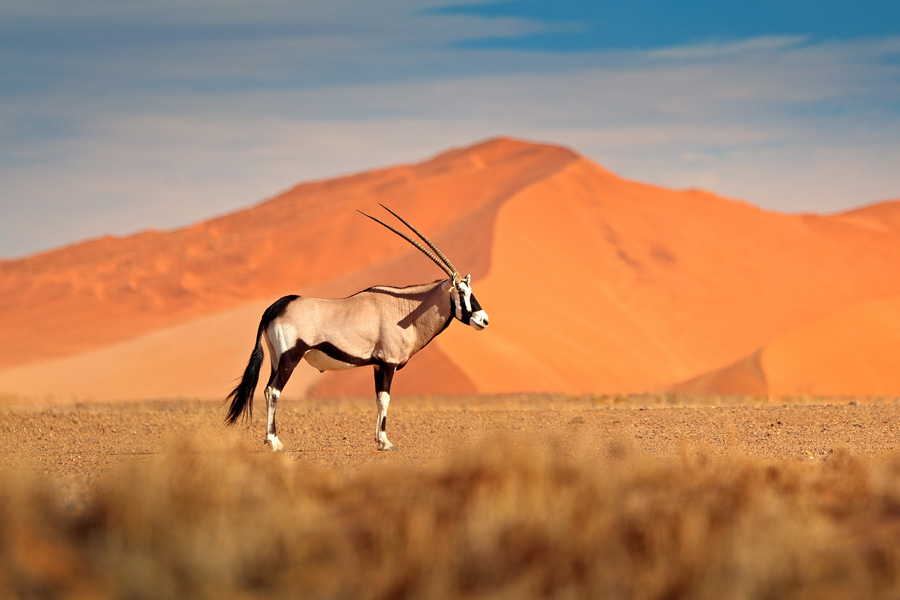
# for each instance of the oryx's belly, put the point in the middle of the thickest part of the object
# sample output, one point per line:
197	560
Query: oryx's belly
323	362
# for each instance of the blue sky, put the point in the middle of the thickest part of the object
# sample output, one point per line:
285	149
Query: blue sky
646	24
119	116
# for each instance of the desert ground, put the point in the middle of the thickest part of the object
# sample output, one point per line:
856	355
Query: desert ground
644	496
74	443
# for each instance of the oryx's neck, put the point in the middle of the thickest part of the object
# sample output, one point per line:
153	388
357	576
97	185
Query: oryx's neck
425	309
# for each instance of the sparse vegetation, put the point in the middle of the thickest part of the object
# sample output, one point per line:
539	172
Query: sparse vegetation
501	519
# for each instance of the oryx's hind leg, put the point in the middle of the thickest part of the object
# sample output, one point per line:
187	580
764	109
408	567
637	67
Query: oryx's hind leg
384	374
272	440
282	367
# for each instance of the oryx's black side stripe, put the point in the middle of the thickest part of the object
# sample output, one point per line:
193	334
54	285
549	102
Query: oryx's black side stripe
331	351
295	354
242	395
336	353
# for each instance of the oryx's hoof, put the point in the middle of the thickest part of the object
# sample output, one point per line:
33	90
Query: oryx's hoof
388	447
274	444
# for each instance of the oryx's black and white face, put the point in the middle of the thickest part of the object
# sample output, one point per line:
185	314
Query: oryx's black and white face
467	308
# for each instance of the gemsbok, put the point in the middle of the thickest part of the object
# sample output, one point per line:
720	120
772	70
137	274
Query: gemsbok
381	326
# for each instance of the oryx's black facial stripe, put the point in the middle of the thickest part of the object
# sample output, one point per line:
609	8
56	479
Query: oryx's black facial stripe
474	303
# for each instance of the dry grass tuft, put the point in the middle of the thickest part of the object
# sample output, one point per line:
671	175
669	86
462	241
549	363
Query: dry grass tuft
500	520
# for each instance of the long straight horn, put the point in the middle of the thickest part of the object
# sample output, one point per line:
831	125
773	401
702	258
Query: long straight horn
422	248
451	270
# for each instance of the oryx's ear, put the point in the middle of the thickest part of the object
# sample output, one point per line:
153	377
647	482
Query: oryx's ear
448	286
468	279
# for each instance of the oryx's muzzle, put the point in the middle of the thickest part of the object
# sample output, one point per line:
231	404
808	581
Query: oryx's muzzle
479	320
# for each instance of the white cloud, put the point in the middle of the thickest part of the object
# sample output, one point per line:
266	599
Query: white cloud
712	50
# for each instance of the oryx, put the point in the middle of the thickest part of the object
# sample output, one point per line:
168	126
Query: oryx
382	326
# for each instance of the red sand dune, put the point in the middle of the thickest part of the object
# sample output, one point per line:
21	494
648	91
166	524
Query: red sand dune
593	284
853	351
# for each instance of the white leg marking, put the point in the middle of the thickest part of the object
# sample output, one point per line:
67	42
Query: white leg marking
271	402
383	400
274	443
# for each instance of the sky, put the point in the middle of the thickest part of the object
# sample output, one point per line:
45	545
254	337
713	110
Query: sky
117	117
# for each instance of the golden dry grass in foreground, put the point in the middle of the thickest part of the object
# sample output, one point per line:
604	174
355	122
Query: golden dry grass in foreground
500	519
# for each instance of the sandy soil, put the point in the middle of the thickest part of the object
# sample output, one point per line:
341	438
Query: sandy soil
74	444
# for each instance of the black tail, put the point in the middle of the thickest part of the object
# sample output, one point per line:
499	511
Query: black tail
242	396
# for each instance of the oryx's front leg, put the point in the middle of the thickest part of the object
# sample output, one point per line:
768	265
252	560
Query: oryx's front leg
383	376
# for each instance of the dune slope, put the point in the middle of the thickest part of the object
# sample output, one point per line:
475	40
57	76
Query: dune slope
593	283
627	287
